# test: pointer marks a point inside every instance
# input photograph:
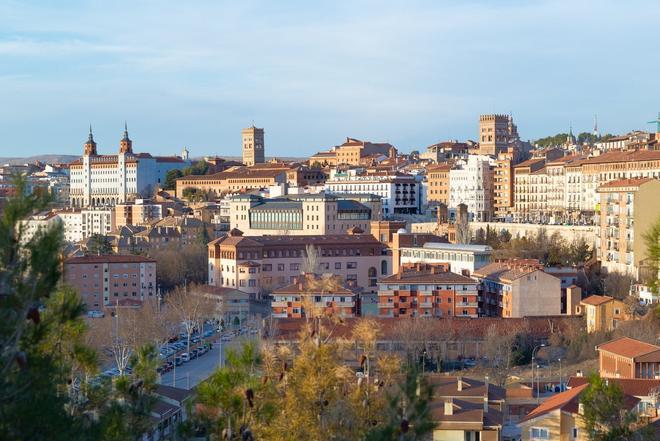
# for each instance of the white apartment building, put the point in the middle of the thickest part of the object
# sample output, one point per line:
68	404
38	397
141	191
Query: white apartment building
43	221
79	224
471	183
400	193
107	180
462	259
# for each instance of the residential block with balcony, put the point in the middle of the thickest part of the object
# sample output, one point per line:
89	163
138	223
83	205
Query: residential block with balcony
422	290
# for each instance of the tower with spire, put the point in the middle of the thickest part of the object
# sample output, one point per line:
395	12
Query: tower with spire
570	139
125	145
90	145
595	133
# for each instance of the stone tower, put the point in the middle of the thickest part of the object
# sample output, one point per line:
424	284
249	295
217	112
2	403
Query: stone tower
125	145
253	145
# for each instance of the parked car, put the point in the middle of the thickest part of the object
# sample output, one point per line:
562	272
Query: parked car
95	314
178	361
185	357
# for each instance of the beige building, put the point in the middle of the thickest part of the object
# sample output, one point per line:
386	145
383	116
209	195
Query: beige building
140	212
260	264
437	177
253	145
230	181
517	289
628	209
303	214
354	152
496	134
603	313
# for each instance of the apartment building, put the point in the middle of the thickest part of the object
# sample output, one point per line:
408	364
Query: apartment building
43	221
423	290
319	213
107	180
471	183
400	193
603	313
354	152
108	280
503	182
437	179
141	212
291	301
444	151
629	358
628	209
461	258
261	264
466	409
252	139
517	289
231	181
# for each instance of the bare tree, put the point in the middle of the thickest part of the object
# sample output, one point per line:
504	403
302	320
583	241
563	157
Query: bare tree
189	308
117	336
310	264
414	336
498	348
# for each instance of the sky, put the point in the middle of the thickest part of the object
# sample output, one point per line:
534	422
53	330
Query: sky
194	73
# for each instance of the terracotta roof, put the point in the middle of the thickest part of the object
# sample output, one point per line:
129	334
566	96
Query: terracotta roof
625	156
465	415
529	162
241	172
630	386
300	288
628	347
596	300
447	386
635	182
109	258
504	271
568	398
169	159
317	239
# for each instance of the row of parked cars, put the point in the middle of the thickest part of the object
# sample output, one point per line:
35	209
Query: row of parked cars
183	358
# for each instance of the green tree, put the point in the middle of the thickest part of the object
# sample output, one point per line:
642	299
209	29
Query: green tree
99	244
605	415
170	179
652	242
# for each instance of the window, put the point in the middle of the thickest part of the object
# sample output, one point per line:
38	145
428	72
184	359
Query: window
252	283
351	265
280	267
539	433
575	433
337	265
294	267
267	267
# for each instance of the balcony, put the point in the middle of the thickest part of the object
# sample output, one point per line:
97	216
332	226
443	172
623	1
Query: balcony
426	305
386	305
467	304
279	304
282	315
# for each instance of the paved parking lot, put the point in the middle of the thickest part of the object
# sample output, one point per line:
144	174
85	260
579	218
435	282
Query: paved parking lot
188	375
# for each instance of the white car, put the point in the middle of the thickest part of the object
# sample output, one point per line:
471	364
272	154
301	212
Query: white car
95	314
185	357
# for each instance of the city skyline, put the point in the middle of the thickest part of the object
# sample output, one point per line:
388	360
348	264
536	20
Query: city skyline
313	75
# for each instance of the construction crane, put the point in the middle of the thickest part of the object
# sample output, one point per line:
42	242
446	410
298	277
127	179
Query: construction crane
657	123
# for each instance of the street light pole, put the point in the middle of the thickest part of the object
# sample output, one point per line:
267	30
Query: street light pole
533	358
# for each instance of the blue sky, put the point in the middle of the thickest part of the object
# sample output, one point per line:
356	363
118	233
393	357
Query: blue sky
412	73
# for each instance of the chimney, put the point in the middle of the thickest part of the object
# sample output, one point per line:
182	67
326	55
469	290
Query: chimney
459	384
578	373
449	407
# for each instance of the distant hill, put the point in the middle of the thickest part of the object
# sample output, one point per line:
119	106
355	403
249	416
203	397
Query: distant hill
49	159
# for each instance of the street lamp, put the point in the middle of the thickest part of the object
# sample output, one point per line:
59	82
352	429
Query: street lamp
542	345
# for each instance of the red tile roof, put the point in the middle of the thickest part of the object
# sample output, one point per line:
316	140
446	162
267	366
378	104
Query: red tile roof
596	300
630	386
635	182
559	401
628	347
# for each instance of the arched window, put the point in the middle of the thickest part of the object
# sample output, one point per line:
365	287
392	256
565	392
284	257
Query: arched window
383	268
373	276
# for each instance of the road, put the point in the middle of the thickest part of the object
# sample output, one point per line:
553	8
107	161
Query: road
188	375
